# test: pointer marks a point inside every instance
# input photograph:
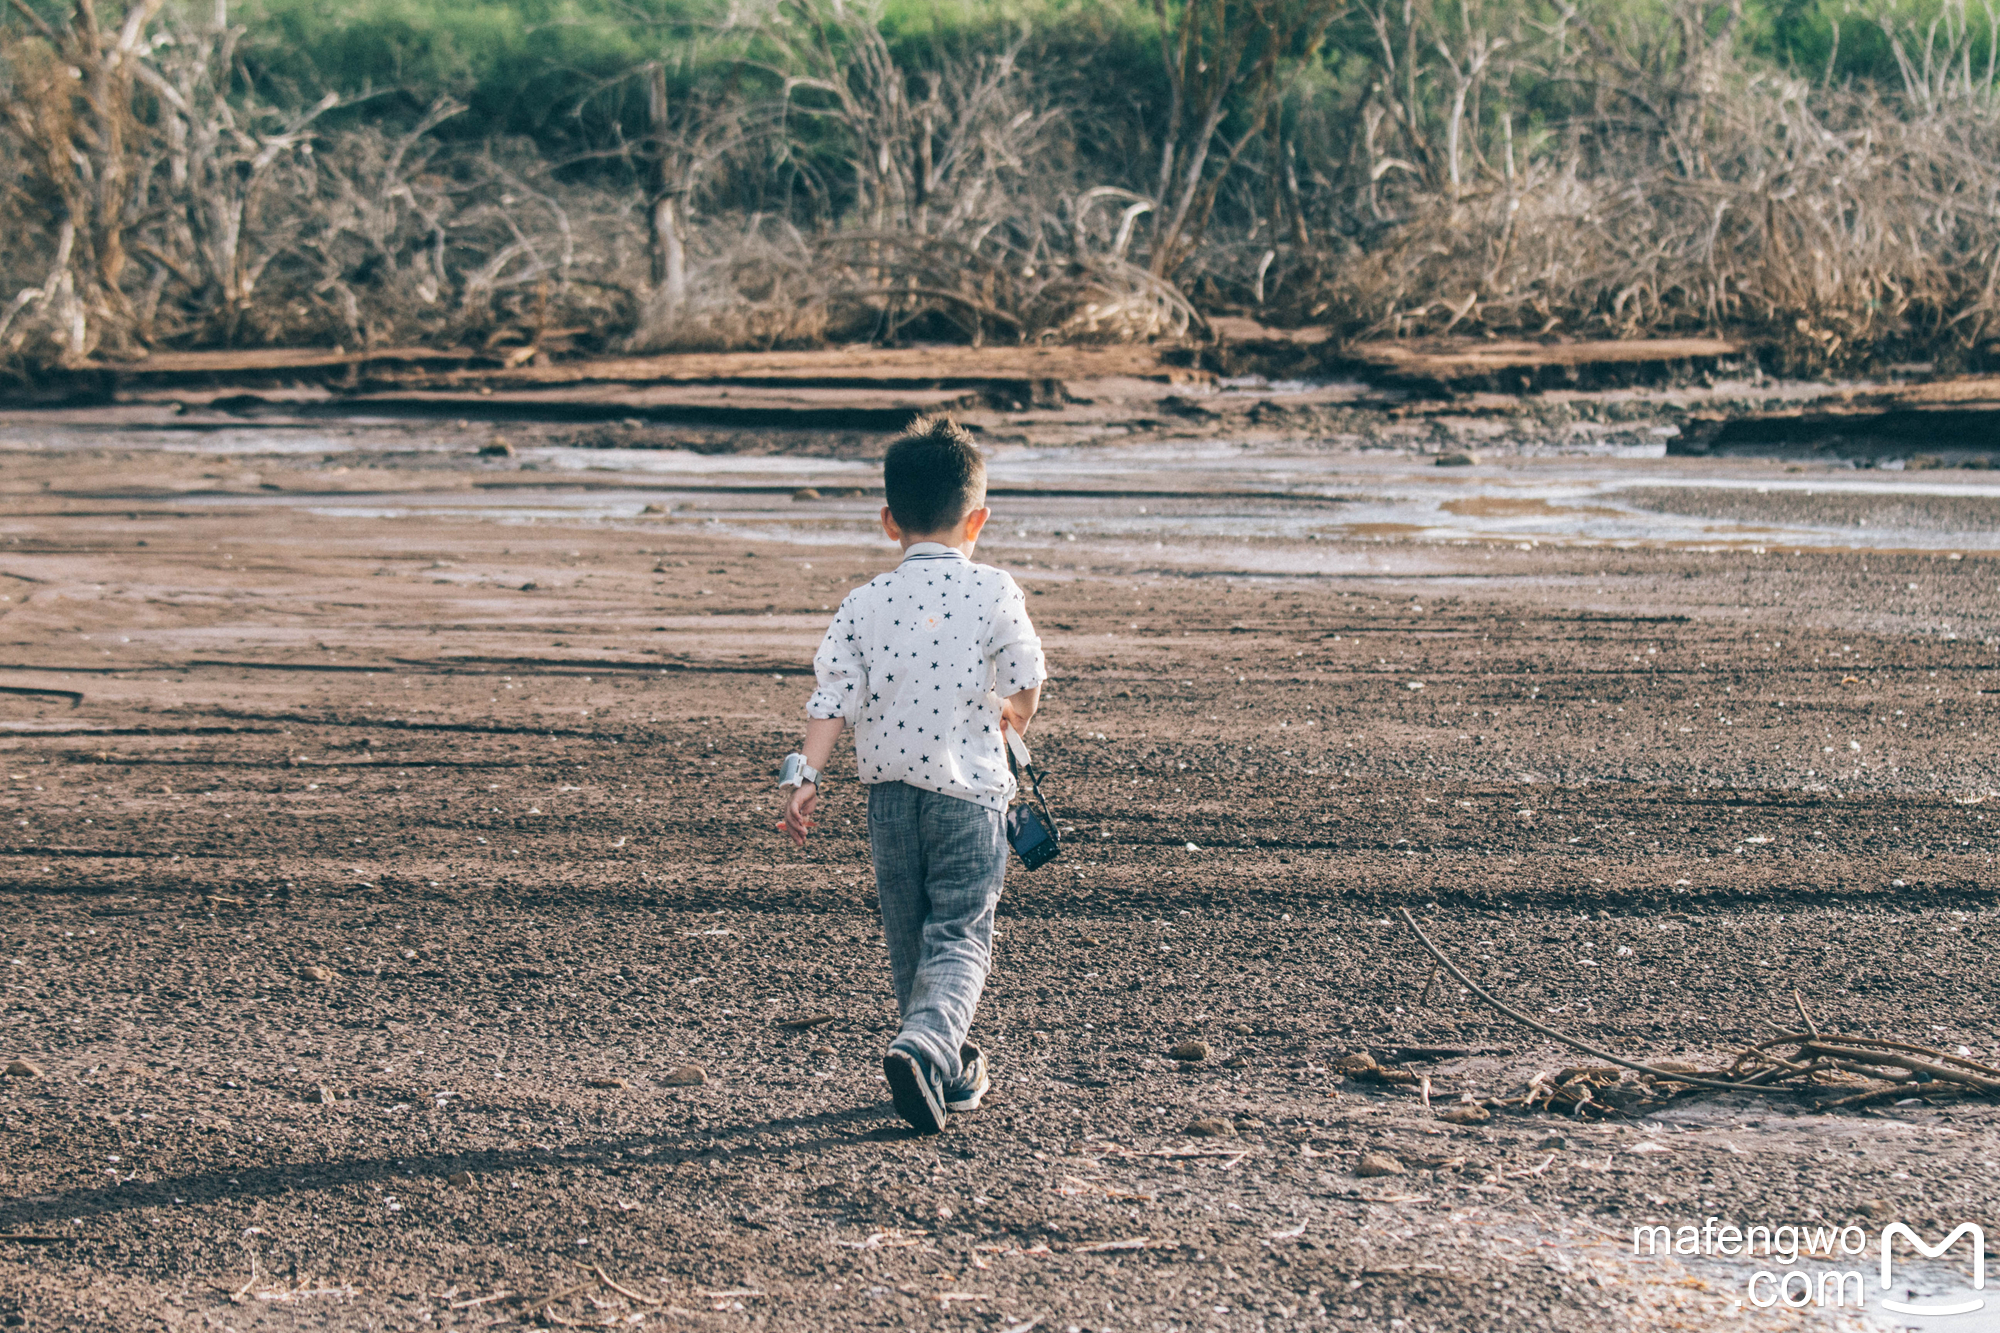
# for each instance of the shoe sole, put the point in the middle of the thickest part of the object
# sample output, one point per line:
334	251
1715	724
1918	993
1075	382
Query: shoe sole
911	1093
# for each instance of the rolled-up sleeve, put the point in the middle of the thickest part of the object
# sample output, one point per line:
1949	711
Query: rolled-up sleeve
1013	646
841	671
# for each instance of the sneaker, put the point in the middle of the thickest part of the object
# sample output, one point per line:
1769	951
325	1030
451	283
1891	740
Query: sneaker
964	1095
914	1087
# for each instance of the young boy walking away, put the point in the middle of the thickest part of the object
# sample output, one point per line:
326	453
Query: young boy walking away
927	663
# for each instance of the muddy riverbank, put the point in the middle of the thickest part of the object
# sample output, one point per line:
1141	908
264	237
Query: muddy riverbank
389	821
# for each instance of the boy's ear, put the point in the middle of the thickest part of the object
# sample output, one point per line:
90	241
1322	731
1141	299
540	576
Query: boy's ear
889	525
974	521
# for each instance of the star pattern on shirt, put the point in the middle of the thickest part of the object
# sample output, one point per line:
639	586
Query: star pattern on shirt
977	647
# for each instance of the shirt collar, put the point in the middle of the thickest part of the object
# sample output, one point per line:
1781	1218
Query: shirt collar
933	551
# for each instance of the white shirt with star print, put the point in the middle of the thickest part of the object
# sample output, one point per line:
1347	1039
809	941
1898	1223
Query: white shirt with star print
917	661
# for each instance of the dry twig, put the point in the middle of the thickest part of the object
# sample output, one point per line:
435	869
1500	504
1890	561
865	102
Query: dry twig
1563	1037
1788	1063
625	1291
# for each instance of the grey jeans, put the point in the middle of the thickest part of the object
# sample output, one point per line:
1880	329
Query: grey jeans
939	864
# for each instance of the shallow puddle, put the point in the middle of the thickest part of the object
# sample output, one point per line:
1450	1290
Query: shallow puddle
1179	501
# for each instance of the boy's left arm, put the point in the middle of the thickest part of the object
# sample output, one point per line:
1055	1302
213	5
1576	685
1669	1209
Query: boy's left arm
841	677
821	733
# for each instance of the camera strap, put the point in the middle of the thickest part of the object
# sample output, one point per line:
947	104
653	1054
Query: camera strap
1020	764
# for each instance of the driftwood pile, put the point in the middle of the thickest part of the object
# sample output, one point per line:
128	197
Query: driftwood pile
1836	1069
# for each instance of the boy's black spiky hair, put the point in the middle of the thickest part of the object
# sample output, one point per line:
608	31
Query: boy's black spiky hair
933	476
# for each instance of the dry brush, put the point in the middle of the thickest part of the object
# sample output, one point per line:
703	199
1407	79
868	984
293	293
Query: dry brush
1573	168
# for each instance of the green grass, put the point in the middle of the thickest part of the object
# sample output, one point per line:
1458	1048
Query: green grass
548	68
556	70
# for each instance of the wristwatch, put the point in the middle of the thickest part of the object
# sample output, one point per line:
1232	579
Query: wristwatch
796	772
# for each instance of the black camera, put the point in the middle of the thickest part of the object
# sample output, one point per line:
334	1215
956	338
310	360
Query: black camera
1034	838
1031	832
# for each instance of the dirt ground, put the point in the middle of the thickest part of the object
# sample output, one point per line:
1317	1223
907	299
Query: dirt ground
368	879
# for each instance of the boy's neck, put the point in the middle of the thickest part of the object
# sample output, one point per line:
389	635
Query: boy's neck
961	536
956	541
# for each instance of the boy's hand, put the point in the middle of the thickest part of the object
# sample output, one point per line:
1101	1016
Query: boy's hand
821	733
1012	715
798	812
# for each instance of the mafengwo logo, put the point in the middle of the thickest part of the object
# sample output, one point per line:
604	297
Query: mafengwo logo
1811	1260
1965	1229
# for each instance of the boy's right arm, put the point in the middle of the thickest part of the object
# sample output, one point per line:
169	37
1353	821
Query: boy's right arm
1018	710
1016	653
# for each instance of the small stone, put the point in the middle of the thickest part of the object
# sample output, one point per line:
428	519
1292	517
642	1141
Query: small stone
529	586
805	493
1237	1062
1190	1051
806	1021
1089	941
1465	1114
1875	1208
1436	1163
1378	1164
604	1083
1247	1123
822	1050
1211	1127
1361	1062
1553	1143
320	1097
1241	1029
465	1180
1461	458
496	448
314	972
684	1076
24	1069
